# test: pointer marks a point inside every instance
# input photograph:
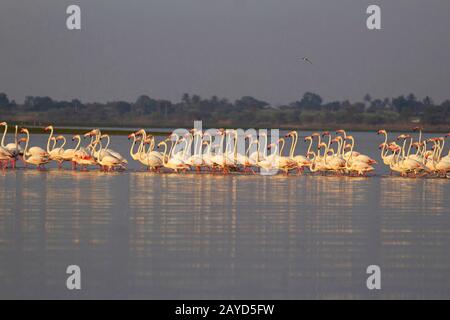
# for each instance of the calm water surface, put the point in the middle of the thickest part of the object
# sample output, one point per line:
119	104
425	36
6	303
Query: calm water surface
145	235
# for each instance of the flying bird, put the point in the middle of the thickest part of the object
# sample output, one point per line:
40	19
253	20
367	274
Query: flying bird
305	59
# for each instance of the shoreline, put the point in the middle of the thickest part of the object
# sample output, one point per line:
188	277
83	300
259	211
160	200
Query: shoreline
161	131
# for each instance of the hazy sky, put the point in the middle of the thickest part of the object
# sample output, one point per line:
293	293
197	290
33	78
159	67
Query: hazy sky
228	48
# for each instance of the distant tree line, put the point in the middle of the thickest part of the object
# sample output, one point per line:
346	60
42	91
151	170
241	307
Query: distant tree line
308	112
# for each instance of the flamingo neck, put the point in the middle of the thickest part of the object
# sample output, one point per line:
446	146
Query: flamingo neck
49	139
293	145
78	144
4	135
309	148
133	154
26	146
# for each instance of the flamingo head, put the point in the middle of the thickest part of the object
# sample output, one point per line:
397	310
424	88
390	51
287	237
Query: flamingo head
340	131
393	147
322	145
132	135
417	129
381	146
22	140
160	144
76	137
59	138
382	131
90	133
2	123
290	134
48	128
24	130
140	132
173	135
308	138
326	133
447	135
403	136
315	134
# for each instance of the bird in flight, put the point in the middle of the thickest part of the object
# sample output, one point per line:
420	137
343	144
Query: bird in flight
305	59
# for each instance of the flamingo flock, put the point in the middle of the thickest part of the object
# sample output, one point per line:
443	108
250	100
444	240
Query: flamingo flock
427	160
226	150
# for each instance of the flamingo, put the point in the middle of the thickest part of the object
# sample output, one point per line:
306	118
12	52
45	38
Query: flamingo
284	163
269	163
106	151
406	162
344	136
37	159
318	162
135	155
151	159
356	156
258	155
57	153
107	161
174	164
14	148
387	159
300	160
196	160
69	154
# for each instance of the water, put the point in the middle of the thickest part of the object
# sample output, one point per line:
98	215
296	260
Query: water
186	236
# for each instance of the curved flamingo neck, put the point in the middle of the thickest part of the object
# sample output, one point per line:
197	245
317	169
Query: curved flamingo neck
25	151
4	135
49	139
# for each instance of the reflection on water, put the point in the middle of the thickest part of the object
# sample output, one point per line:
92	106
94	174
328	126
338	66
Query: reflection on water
144	235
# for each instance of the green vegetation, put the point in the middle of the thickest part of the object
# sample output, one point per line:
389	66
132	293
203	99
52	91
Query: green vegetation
310	112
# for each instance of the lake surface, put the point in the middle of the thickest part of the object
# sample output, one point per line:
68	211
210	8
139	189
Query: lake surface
201	236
